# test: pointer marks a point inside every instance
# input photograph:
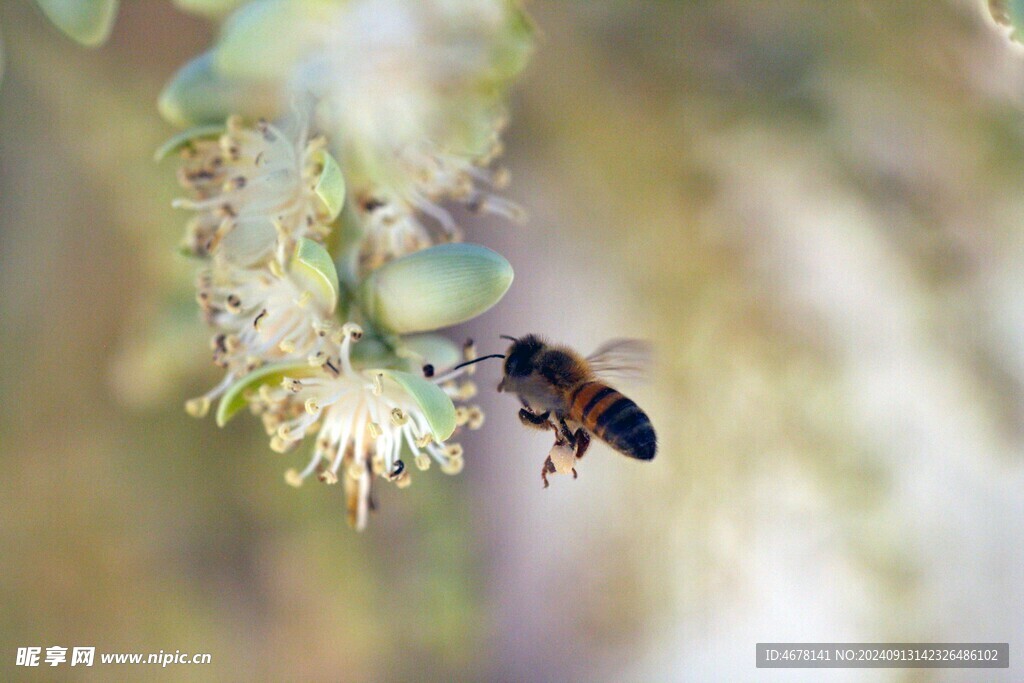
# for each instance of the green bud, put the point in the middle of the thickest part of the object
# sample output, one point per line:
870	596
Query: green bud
437	407
198	94
434	288
88	22
513	47
314	270
265	38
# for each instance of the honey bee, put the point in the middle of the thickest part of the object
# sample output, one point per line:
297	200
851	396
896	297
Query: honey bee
565	391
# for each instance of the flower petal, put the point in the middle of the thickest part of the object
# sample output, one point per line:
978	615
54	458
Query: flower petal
252	239
314	269
437	407
434	288
330	188
86	21
185	138
234	399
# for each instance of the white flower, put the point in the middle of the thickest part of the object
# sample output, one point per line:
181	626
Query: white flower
255	191
408	92
261	316
364	420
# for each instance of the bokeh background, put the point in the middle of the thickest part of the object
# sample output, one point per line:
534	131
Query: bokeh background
814	211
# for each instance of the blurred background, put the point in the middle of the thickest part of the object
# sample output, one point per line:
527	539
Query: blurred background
813	209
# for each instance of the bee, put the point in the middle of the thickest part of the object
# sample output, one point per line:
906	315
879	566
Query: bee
565	391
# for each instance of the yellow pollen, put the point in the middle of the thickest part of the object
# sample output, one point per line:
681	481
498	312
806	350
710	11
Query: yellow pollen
292	478
328	477
285	432
352	331
404	480
197	407
312	407
317	359
453	450
453	466
375	430
461	416
265	395
279	445
501	178
476	418
378	384
356	470
323	327
424	441
468	390
423	461
276	270
287	346
377	465
270	422
398	417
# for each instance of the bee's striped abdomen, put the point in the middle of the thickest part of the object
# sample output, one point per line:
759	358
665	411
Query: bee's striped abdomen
613	418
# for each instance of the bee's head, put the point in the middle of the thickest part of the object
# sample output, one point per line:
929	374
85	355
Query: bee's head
521	355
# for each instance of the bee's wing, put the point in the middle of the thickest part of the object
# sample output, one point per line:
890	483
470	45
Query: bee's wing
626	359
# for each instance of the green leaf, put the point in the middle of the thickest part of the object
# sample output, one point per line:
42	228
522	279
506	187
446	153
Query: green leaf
437	407
330	188
185	138
265	38
314	268
234	399
88	22
434	288
199	95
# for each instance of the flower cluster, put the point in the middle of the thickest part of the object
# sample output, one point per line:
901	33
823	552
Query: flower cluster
324	236
409	93
255	189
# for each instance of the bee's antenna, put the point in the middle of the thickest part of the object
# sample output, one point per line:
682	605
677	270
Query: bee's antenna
477	360
505	336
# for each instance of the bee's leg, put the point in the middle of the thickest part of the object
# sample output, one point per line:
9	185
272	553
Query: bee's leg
545	469
533	420
582	443
565	432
